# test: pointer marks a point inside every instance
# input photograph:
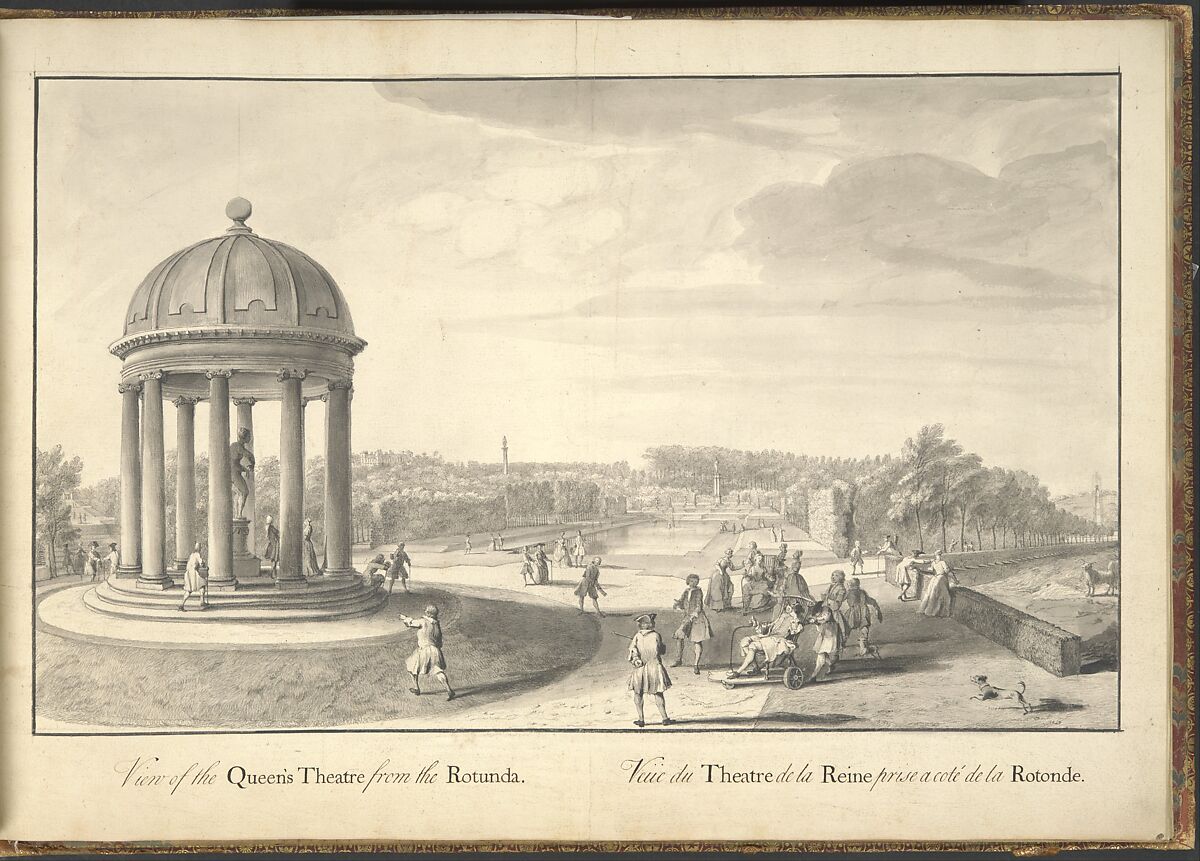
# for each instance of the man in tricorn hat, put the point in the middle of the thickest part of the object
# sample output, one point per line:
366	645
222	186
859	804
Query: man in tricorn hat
649	676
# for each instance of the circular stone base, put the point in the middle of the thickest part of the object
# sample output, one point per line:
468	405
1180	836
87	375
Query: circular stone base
68	613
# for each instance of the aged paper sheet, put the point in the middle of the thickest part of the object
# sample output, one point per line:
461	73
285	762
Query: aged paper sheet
835	358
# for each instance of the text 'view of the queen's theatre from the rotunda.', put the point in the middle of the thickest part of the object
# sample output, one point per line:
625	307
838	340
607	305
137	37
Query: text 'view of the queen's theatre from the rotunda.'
243	319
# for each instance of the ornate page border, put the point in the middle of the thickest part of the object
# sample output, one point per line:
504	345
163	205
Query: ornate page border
1183	676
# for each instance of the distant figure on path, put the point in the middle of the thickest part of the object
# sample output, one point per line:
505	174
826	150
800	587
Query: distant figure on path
589	586
114	559
194	580
542	561
580	549
399	569
937	600
720	587
649	676
468	550
562	552
271	553
310	550
427	658
528	568
94	560
856	559
694	628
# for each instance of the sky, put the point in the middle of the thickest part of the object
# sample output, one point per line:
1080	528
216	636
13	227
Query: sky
816	265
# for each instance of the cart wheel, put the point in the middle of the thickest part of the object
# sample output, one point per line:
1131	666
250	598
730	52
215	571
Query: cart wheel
793	678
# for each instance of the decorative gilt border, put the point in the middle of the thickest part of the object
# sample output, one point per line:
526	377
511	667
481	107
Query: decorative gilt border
1183	746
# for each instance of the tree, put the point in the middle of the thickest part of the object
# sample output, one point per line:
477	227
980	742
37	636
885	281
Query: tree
923	458
56	479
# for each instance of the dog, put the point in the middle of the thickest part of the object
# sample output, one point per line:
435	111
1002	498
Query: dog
990	692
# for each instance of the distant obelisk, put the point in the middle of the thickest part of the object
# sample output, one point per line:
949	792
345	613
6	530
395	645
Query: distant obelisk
504	452
1097	503
716	482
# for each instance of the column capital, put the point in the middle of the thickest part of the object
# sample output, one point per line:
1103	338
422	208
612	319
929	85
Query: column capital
218	372
150	375
244	402
291	374
185	401
129	387
340	384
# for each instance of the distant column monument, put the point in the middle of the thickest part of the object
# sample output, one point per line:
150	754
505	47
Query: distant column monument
716	482
504	452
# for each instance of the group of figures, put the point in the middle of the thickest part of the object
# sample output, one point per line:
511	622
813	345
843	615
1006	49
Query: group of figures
397	566
927	580
90	564
842	610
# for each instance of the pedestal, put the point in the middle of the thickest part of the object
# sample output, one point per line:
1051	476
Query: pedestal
245	564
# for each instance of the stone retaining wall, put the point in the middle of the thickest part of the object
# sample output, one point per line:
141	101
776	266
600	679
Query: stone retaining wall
1039	642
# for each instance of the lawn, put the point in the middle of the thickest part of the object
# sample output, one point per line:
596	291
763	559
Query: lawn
494	648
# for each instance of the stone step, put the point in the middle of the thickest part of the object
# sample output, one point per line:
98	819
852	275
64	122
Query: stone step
246	592
367	602
234	600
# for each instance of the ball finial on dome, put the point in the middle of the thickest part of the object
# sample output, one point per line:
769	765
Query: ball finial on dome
239	210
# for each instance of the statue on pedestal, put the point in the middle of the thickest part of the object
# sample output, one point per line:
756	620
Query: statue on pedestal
241	465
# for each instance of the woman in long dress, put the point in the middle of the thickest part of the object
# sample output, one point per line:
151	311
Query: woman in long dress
720	586
310	550
937	600
649	676
694	628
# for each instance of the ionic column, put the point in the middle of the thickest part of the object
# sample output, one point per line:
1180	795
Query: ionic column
220	486
338	537
245	419
154	487
131	481
185	479
291	480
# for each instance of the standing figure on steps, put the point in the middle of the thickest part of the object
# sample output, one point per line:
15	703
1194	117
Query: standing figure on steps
194	580
241	469
310	551
271	554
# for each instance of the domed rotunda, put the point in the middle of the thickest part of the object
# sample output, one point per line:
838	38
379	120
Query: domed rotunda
235	319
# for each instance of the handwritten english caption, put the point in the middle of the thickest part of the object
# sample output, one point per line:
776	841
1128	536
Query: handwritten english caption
151	773
657	770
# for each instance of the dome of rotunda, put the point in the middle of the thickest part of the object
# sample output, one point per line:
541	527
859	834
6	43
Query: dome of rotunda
238	279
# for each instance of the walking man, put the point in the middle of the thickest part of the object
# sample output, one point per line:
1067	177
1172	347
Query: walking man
649	676
856	559
468	550
580	548
427	658
400	569
195	580
858	616
589	586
